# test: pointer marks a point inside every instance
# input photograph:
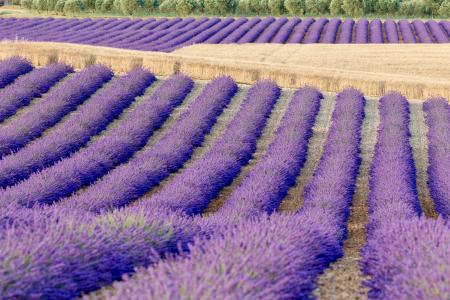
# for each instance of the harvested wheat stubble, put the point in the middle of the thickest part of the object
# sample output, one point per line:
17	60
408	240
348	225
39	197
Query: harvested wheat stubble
416	70
216	131
294	199
261	147
419	144
343	279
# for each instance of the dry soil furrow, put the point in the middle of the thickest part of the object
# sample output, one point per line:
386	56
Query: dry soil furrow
216	131
261	148
419	145
294	199
343	279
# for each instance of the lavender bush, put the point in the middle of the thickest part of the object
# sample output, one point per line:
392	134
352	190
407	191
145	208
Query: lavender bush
438	32
130	181
193	189
392	165
74	132
406	32
265	186
52	108
234	36
390	27
66	253
329	37
260	259
167	35
315	30
405	256
361	31
12	68
346	35
376	33
88	164
422	32
29	86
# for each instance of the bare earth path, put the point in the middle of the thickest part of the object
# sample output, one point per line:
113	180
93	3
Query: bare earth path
294	198
343	279
419	144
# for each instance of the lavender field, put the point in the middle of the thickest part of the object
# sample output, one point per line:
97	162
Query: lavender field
167	35
129	186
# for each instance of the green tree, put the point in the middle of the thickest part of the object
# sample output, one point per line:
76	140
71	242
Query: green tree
353	8
59	6
386	6
107	5
295	7
433	6
185	7
336	7
414	8
129	7
51	4
168	6
444	9
98	5
73	6
89	4
220	7
276	7
317	7
26	3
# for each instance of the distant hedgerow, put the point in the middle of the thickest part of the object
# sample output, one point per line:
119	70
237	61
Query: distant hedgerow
129	7
73	6
276	7
220	7
295	7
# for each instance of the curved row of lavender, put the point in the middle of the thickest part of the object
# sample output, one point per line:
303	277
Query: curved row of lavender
76	130
405	256
98	250
144	170
113	228
149	167
266	258
62	251
61	254
12	68
266	185
437	114
51	108
169	34
29	86
196	186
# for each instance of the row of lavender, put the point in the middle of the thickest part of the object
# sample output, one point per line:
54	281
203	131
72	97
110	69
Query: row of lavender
407	255
169	34
76	246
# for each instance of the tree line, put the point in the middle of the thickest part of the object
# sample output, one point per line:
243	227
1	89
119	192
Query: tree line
354	8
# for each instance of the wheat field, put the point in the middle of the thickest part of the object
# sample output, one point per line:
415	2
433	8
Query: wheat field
373	69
